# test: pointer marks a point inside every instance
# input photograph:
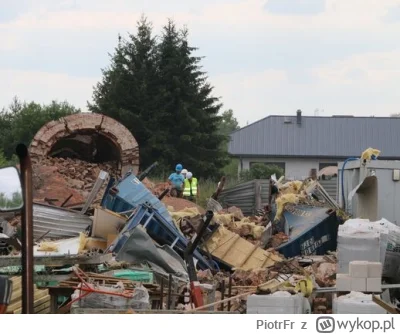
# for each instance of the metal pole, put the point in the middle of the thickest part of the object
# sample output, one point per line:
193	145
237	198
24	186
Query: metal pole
229	292
169	292
162	293
222	294
162	195
27	230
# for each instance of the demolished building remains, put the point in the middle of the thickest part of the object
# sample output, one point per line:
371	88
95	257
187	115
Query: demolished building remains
108	240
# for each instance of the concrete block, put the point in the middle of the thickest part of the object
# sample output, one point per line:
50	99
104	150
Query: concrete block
374	284
343	282
375	270
358	269
358	284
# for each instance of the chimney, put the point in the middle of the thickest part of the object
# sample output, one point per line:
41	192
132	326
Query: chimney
299	117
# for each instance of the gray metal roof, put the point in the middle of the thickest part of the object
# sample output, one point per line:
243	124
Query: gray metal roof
61	222
317	137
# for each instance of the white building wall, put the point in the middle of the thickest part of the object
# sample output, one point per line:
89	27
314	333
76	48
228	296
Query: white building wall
295	168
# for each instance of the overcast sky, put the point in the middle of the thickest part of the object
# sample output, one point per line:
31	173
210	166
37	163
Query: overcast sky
9	181
263	56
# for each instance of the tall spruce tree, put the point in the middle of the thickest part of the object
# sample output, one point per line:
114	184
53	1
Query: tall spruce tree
190	111
160	93
129	87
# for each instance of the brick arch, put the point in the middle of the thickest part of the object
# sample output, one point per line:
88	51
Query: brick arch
115	132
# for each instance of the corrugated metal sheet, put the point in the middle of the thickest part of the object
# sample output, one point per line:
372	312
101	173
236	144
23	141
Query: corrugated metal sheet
330	186
317	137
243	196
62	223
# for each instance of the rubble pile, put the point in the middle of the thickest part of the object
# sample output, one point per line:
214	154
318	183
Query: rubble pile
80	174
130	259
58	178
159	188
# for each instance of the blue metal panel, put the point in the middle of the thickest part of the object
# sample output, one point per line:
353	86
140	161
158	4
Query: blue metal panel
109	186
159	229
313	231
131	194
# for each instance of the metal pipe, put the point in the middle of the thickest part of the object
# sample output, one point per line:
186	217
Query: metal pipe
66	201
222	293
162	293
147	171
229	292
27	230
169	292
163	194
197	237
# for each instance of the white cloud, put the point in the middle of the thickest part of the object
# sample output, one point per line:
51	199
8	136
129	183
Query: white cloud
44	87
360	84
9	42
363	84
378	67
339	14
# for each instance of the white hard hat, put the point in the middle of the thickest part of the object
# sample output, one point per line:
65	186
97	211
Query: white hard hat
184	171
189	175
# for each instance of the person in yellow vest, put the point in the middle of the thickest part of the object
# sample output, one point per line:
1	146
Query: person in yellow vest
191	188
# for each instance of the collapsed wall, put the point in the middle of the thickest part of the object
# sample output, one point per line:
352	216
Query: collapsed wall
89	137
68	154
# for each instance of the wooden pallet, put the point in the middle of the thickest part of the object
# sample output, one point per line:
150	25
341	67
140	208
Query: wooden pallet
41	299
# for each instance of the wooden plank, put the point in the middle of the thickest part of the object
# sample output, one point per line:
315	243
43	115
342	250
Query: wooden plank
38	305
384	305
248	255
14	306
106	222
238	252
45	311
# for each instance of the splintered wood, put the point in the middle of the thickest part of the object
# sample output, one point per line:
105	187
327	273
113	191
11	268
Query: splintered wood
238	252
41	302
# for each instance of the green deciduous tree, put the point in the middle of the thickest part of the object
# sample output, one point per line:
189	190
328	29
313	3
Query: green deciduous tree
20	122
228	124
10	202
261	171
157	89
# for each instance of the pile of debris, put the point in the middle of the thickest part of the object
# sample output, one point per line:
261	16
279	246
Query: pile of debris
58	178
126	254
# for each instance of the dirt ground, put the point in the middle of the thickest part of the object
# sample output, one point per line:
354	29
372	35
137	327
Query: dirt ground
180	204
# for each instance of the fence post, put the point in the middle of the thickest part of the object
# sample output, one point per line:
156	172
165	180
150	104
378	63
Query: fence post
257	192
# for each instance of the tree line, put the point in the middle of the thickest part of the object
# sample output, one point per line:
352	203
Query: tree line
157	88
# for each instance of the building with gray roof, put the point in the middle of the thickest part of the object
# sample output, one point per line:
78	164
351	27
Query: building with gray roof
300	143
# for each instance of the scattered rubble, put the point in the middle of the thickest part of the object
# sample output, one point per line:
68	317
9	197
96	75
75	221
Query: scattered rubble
61	177
240	258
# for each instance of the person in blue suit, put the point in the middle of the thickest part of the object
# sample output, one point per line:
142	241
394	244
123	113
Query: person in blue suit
176	180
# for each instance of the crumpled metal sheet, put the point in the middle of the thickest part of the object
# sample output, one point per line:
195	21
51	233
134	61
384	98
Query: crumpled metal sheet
140	248
61	222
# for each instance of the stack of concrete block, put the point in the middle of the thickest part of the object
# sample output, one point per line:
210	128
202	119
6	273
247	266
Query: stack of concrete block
280	302
357	241
373	241
356	303
363	276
